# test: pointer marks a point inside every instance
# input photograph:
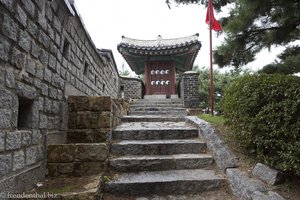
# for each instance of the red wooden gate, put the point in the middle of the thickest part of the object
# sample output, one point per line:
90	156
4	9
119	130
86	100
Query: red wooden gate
160	78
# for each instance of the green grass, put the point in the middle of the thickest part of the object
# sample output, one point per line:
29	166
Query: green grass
215	120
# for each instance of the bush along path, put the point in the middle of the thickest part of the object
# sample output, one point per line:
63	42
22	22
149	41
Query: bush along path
161	156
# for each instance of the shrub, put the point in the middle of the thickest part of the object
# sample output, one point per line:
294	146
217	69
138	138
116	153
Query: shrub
264	114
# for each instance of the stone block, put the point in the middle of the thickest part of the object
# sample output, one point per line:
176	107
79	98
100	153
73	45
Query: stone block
72	104
66	168
267	174
4	49
26	91
266	196
10	28
29	7
91	152
25	41
56	137
31	155
18	59
83	120
2	141
93	120
5	99
48	75
104	120
8	4
82	103
5	164
26	138
43	122
242	186
80	136
102	135
72	120
18	160
89	168
31	66
44	39
61	153
100	103
52	170
13	140
37	137
44	57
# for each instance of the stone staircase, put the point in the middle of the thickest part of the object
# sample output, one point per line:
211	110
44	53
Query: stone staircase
158	153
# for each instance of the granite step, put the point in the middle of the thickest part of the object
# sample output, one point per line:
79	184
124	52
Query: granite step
152	118
160	162
156	104
158	147
155	108
154	130
165	182
168	112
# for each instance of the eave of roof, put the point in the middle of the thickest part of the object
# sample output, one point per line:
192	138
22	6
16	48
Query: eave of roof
182	51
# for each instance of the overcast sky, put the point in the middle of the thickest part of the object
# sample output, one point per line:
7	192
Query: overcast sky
107	20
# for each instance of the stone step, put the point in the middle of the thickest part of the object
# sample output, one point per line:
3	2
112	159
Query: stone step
160	162
160	109
152	118
156	104
159	133
175	100
165	182
170	112
158	147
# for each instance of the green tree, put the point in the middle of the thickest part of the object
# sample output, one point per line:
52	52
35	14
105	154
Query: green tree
256	24
221	80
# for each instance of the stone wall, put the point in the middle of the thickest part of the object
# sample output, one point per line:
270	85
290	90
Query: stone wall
90	124
45	56
189	89
131	88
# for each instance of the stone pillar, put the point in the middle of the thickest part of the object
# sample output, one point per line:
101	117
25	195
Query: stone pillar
189	89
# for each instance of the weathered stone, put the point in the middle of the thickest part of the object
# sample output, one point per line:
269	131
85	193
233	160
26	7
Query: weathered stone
62	153
223	155
82	103
269	196
21	16
26	91
104	120
19	160
48	75
37	137
44	89
5	163
91	152
2	141
26	138
52	170
8	4
100	103
102	135
31	155
72	120
13	140
4	49
5	99
29	7
72	104
10	79
83	120
93	120
242	186
44	39
5	119
18	59
53	93
44	56
265	173
89	168
66	168
43	122
25	41
52	62
10	28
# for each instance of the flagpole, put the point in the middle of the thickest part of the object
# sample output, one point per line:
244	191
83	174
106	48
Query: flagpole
211	65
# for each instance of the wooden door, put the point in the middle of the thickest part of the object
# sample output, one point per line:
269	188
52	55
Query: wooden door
160	78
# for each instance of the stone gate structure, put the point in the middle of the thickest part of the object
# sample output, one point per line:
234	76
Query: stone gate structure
46	55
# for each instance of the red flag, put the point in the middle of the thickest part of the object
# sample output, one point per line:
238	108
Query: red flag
214	23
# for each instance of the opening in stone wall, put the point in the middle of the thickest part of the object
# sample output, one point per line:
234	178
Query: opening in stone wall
103	87
66	48
86	68
25	113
